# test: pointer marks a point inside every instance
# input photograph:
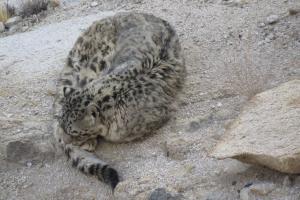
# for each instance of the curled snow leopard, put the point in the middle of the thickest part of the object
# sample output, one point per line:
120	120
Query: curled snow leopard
119	83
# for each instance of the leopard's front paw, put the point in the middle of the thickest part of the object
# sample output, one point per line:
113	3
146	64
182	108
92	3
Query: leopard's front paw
89	145
61	138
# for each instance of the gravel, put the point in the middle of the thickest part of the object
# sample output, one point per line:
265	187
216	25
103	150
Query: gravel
29	66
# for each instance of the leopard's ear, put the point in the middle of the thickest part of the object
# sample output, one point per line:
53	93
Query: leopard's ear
67	91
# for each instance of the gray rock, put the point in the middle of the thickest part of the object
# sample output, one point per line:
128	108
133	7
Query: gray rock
25	28
2	27
214	196
53	4
293	11
270	37
135	189
143	189
245	194
25	151
223	114
12	21
272	19
20	150
177	148
256	190
262	189
261	25
238	3
94	4
162	194
260	43
14	28
194	126
267	130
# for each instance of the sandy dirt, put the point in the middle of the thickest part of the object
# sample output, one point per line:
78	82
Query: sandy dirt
232	52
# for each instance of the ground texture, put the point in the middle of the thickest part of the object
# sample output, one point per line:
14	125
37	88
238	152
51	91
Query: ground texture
233	50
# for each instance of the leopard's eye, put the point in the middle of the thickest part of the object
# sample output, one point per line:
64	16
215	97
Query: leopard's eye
94	114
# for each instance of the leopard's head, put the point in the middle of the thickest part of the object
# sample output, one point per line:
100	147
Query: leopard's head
80	117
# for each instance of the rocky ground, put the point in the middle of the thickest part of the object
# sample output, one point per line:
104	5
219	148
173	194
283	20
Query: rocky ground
234	49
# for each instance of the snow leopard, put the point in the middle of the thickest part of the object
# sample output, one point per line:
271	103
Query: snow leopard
120	82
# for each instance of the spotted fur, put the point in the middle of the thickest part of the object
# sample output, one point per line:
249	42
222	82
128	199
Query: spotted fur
119	83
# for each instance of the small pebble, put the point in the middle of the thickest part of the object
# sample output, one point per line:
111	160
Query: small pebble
261	25
261	43
270	37
251	190
262	188
94	4
194	126
272	19
294	11
25	28
162	194
29	164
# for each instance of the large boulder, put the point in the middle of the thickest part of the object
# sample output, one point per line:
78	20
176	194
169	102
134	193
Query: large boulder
27	151
267	132
13	21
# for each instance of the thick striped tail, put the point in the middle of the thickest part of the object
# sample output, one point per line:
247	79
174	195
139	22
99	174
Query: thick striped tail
89	163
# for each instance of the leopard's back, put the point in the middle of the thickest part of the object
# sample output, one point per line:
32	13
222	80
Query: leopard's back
107	43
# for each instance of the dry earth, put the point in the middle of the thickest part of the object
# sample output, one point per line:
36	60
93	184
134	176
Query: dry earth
233	50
